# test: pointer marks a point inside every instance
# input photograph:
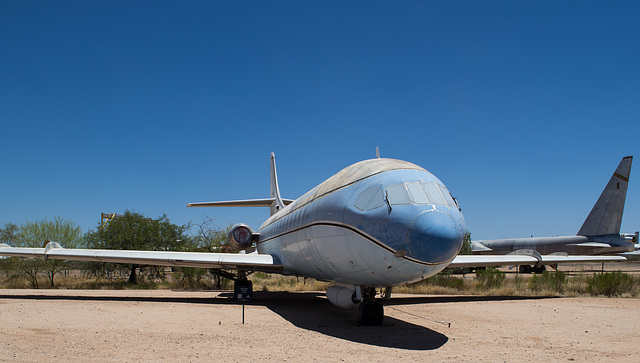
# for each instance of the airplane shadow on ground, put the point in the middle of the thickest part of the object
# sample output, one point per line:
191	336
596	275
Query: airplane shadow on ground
311	311
409	300
186	300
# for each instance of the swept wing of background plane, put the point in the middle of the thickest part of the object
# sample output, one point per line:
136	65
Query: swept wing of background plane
375	224
521	259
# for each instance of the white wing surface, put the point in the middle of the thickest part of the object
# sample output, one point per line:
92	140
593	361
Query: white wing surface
515	259
250	261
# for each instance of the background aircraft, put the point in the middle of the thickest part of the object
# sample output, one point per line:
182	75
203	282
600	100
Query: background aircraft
599	234
375	224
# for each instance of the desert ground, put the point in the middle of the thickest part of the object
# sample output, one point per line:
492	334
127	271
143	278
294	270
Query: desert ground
98	325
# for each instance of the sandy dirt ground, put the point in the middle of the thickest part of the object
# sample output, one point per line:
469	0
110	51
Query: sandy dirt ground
79	325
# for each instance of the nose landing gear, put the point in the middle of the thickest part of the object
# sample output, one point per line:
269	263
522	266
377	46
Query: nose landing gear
371	310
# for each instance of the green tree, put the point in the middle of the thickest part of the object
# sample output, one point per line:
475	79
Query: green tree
8	235
37	234
209	238
133	231
467	247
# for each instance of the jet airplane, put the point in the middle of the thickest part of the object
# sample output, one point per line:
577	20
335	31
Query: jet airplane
374	224
599	234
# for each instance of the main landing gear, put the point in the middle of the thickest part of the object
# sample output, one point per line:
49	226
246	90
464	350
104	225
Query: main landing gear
242	286
371	310
526	269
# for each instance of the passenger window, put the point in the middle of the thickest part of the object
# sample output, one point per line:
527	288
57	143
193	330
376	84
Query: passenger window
447	196
417	193
377	201
397	194
434	193
364	198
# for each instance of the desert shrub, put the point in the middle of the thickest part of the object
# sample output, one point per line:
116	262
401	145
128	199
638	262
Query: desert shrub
258	275
489	277
189	278
610	284
14	281
288	283
445	280
442	283
548	281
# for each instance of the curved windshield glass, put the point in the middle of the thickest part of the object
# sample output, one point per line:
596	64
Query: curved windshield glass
434	193
417	193
364	198
377	201
397	194
447	196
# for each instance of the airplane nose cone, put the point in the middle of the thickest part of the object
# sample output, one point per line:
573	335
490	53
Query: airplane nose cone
434	237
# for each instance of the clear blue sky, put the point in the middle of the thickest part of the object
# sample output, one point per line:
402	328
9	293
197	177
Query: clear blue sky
523	109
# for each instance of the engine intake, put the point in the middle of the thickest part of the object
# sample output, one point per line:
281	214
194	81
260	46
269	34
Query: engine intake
241	237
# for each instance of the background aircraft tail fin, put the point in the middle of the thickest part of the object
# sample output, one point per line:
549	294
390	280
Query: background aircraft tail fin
278	203
606	215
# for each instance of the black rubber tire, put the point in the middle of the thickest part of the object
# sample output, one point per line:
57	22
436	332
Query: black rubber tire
370	313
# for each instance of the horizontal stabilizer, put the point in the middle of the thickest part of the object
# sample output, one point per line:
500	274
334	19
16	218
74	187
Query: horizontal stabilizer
506	260
267	202
275	203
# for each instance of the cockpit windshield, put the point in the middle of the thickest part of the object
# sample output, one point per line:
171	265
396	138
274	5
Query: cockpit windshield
377	200
434	193
364	198
370	199
405	193
417	193
397	194
447	196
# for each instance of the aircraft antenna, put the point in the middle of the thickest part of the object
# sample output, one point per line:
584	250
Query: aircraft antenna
377	152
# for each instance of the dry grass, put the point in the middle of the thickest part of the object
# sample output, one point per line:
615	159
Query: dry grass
489	283
266	282
545	284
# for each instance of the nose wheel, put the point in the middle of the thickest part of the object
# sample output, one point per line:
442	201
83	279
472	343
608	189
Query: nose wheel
370	310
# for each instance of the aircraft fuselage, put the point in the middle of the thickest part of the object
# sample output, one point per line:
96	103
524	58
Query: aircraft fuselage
380	222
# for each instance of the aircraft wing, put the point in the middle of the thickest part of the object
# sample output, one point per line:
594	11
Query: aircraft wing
242	261
632	256
515	259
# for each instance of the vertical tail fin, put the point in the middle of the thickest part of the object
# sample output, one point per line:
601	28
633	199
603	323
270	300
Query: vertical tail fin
606	215
277	204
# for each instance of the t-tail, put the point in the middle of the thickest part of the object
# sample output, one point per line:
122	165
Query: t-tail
275	203
278	203
606	216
